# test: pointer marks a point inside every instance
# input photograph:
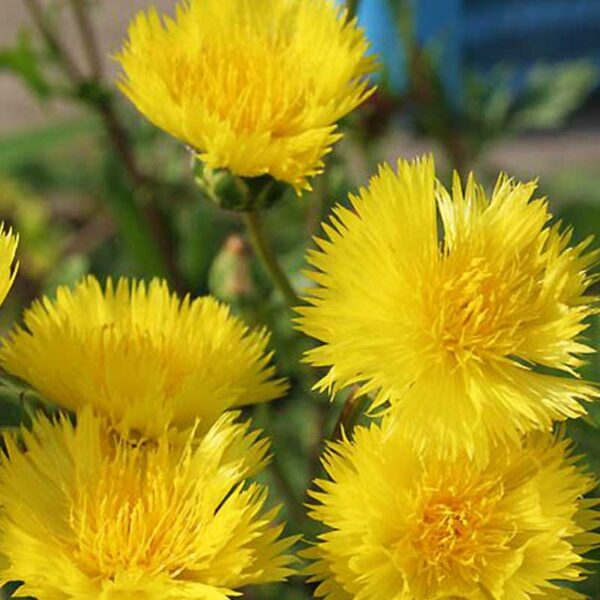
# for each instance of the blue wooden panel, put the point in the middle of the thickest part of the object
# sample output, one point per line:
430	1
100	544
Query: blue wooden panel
439	23
523	32
479	34
375	16
436	20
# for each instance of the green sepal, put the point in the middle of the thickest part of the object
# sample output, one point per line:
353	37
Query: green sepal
239	194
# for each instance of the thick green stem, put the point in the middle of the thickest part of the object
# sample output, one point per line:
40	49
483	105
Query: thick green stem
286	489
277	471
267	257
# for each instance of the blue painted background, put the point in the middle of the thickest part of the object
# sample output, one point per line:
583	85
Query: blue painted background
479	34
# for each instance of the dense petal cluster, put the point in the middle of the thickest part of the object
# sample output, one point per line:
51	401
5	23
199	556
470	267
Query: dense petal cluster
88	516
452	333
8	270
254	86
413	528
140	355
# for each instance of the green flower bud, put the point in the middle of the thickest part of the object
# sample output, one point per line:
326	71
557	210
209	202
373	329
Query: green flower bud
240	194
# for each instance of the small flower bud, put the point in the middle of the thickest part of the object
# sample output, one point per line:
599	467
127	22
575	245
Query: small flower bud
230	278
240	194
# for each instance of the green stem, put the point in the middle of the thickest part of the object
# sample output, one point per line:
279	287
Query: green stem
267	257
286	489
276	470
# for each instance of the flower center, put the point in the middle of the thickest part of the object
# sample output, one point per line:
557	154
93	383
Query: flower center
448	529
132	517
455	529
474	310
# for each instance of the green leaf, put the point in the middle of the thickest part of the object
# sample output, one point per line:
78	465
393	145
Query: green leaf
126	210
93	93
9	589
552	93
23	61
487	103
18	402
12	414
26	146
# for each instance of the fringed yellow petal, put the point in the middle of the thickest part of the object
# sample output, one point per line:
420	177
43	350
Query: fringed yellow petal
456	333
401	525
254	86
8	268
140	355
87	516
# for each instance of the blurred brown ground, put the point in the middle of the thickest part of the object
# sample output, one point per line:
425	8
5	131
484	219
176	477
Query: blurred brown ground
18	110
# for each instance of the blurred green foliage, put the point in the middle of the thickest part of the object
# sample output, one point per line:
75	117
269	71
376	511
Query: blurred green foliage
105	192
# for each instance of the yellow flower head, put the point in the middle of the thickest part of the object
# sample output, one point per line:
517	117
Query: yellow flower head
451	332
141	355
254	86
88	517
405	527
8	269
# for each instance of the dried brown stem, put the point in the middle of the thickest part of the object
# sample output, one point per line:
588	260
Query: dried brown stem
347	418
117	133
53	41
88	37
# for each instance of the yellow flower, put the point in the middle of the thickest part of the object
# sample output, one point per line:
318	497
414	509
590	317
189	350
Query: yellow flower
89	517
412	528
254	86
8	269
141	355
452	333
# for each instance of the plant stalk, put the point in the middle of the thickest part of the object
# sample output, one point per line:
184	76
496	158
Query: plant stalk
88	37
267	257
53	42
103	105
286	489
